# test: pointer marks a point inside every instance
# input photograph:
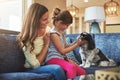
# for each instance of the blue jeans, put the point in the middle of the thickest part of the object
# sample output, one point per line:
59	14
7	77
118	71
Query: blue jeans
55	70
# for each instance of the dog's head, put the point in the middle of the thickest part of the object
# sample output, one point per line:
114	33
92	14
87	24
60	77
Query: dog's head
90	42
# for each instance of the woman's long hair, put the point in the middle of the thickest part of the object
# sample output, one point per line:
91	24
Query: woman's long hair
31	24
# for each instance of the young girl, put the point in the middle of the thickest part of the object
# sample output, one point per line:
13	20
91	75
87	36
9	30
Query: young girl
58	47
34	41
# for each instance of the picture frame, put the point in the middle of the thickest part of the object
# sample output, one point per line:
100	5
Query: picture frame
113	20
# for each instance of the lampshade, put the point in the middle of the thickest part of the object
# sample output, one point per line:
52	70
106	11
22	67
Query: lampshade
94	14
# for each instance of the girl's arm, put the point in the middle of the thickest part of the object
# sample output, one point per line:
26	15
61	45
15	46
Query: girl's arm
44	50
58	44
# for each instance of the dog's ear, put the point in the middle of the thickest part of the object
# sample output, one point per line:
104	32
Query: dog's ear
91	43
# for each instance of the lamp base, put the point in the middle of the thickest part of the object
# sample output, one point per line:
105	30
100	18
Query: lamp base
94	28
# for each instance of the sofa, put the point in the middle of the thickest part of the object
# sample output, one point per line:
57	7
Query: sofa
108	43
12	60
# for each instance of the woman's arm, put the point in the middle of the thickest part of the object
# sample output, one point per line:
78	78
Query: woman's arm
33	60
62	49
44	50
31	57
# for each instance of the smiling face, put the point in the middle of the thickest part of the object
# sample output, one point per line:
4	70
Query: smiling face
44	21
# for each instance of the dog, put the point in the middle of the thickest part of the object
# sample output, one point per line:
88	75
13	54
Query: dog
92	56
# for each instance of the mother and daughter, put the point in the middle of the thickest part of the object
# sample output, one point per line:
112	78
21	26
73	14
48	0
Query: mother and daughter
41	47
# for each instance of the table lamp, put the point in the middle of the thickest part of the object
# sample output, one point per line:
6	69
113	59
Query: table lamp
94	15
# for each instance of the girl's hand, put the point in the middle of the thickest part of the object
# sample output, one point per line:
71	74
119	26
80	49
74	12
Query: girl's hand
71	61
80	42
47	39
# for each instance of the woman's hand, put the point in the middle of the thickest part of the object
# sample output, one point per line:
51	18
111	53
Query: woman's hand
44	50
47	39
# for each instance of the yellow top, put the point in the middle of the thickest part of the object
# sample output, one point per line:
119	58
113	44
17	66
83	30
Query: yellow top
31	57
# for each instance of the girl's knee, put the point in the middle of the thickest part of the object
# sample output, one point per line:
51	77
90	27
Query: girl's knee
71	66
83	72
71	71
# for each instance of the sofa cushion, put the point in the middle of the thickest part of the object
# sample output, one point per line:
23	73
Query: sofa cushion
11	57
76	50
25	76
91	70
109	44
71	54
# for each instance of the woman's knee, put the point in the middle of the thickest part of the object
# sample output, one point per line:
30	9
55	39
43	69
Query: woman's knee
58	72
57	69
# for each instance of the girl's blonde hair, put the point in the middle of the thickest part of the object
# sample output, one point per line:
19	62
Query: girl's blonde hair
31	24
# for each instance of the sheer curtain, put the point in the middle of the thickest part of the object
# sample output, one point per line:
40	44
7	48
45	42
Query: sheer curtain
12	12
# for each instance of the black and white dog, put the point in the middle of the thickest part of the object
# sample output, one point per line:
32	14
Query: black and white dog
92	56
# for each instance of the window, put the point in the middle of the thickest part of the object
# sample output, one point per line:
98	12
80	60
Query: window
10	14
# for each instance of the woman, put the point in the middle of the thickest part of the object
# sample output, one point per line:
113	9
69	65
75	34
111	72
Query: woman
34	41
